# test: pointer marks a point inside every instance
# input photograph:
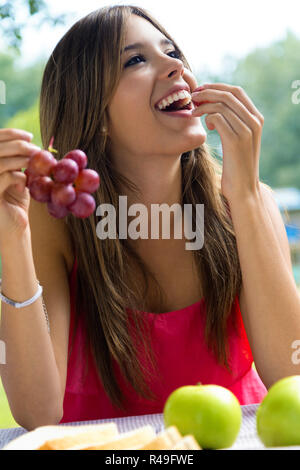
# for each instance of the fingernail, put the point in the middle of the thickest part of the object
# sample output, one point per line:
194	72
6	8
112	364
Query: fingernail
34	149
30	135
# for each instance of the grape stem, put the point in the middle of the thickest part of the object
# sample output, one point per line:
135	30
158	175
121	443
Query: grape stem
50	148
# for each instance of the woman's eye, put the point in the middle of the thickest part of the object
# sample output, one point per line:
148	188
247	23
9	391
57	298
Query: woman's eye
132	59
176	53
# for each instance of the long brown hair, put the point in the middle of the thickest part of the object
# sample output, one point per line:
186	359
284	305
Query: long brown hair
79	80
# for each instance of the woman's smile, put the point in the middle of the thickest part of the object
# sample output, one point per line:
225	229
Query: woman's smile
177	102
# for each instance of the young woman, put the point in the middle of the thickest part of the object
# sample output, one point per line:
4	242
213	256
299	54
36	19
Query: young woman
133	319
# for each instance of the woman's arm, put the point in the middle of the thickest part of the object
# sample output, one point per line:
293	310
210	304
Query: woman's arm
271	306
35	371
271	301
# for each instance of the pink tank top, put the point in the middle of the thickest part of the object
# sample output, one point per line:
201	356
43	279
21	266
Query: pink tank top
183	359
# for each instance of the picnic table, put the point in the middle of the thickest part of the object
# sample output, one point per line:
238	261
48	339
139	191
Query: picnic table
246	440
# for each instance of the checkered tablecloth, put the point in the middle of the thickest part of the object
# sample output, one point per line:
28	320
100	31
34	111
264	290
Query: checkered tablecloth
247	438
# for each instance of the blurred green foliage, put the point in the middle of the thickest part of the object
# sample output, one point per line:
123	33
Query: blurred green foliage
12	27
22	86
267	74
28	121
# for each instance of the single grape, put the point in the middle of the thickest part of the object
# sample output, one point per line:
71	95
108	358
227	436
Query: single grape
87	181
66	171
83	206
57	211
30	177
40	188
41	163
79	157
63	195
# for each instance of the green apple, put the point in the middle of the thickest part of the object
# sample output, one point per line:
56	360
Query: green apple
210	412
278	416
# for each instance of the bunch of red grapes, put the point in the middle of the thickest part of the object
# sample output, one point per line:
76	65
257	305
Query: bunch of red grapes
65	185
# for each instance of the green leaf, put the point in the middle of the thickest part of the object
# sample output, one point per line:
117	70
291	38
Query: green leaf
6	11
35	6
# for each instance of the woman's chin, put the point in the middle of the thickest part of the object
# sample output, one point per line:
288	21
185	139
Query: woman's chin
197	138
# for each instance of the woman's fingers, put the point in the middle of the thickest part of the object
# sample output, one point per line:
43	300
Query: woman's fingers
219	97
223	126
238	126
240	94
13	163
17	147
15	151
14	134
10	178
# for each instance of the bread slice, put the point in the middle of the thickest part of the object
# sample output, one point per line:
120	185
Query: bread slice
106	437
77	440
164	440
188	442
127	441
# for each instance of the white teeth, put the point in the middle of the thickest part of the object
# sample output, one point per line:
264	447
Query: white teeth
174	97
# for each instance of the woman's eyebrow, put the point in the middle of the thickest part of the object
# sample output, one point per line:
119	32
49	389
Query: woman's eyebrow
140	45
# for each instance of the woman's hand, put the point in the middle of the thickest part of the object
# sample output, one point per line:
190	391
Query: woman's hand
231	112
15	151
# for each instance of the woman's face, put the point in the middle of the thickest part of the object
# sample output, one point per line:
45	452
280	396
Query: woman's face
136	127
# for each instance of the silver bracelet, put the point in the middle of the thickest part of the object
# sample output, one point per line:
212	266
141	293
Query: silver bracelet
27	302
15	304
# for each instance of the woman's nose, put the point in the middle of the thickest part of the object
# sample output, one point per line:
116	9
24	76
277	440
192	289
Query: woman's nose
172	68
